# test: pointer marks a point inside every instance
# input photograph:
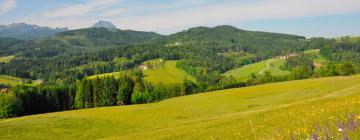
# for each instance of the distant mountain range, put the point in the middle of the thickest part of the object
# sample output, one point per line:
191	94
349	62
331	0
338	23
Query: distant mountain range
25	31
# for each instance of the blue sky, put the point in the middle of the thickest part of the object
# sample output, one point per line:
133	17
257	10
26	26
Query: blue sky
328	18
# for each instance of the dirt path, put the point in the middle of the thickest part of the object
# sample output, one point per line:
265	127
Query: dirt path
274	60
263	70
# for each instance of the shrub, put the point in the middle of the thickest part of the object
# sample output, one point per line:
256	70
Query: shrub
345	69
10	105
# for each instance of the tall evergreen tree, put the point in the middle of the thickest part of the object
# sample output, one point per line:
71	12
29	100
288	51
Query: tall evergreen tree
125	90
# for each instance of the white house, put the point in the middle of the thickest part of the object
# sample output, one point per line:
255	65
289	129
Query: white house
144	67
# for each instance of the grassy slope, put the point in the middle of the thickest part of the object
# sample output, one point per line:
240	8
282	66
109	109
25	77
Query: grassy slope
4	79
243	73
6	58
318	58
115	74
167	74
13	81
273	111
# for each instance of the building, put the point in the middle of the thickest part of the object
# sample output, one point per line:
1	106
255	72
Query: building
143	67
4	90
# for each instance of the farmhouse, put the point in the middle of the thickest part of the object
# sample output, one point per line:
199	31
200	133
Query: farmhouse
4	90
144	67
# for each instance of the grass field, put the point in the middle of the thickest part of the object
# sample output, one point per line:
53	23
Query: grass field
318	58
9	80
243	73
321	108
167	74
6	59
115	74
13	81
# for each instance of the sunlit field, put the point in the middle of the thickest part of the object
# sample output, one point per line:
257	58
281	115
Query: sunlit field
243	73
317	108
167	73
6	59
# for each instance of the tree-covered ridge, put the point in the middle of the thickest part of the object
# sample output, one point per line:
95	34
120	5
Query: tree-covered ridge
102	37
199	51
228	39
6	45
56	55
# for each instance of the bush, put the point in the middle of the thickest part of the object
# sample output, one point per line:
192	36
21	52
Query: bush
301	72
10	105
139	97
345	69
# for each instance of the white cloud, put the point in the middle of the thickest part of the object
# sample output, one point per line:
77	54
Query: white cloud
7	5
115	12
84	9
235	12
170	18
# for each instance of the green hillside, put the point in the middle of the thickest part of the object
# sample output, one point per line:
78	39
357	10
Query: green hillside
167	73
13	81
99	37
271	65
318	58
115	74
6	59
297	109
9	80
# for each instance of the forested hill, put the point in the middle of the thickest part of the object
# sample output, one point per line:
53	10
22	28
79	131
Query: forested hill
100	37
228	38
75	41
6	45
198	51
227	33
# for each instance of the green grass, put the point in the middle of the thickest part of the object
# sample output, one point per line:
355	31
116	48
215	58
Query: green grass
318	58
295	109
237	55
115	74
9	80
6	59
168	73
243	73
13	81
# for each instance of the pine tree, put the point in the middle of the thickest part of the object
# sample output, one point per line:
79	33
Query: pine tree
125	90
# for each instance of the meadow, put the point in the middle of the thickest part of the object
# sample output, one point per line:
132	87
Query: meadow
166	73
115	74
318	58
9	80
243	73
305	109
6	59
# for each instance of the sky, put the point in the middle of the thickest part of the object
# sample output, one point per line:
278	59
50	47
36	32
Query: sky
310	18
